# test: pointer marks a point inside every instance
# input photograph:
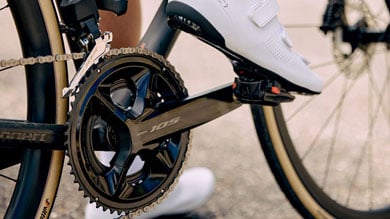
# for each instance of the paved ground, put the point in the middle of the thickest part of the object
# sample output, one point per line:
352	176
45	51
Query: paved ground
228	146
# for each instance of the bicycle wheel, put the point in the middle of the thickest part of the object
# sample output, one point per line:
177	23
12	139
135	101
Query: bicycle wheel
35	173
330	153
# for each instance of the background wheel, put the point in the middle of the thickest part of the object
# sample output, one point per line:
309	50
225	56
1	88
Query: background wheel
33	178
330	152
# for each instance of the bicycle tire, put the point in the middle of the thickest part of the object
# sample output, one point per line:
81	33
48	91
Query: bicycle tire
40	170
328	153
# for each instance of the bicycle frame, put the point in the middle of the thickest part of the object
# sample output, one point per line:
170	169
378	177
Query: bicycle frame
159	38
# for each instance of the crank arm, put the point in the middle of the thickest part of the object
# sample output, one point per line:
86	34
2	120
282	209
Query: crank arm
190	113
102	46
23	134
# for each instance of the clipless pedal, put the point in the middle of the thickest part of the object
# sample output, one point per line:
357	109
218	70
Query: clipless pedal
255	86
264	92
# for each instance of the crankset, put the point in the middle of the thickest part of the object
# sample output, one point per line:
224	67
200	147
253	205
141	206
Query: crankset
111	162
128	131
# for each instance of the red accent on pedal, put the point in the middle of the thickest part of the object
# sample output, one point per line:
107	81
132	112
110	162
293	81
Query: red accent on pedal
275	90
234	85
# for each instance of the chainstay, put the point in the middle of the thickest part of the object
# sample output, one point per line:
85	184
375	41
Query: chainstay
10	63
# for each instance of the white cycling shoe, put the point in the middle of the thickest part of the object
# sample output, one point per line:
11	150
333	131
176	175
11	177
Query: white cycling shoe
194	188
250	29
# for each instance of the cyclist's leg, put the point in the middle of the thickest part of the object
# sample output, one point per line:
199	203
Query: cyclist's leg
126	28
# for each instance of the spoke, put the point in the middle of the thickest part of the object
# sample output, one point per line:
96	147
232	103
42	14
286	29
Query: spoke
4	7
345	150
368	148
387	82
307	103
9	178
356	172
324	64
374	111
334	136
380	52
380	93
371	120
380	13
301	26
328	120
6	68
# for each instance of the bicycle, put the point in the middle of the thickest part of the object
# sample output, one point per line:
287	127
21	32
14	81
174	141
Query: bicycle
43	142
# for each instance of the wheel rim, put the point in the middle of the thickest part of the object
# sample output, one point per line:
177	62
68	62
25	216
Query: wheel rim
345	144
42	166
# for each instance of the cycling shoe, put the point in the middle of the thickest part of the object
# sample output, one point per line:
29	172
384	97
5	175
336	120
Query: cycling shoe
248	29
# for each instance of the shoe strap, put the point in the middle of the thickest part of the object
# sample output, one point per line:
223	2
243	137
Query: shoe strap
263	12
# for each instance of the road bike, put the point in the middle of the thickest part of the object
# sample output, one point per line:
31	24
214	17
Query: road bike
328	153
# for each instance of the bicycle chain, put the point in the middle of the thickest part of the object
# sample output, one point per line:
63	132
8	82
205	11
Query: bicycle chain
10	63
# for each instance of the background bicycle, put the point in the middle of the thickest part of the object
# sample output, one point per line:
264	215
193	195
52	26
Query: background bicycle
245	177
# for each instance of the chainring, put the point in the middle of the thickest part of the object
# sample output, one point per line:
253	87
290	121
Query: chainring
110	163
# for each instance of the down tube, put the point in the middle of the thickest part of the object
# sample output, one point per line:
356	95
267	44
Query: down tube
159	37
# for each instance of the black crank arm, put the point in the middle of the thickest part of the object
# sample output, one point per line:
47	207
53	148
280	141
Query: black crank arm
23	134
188	114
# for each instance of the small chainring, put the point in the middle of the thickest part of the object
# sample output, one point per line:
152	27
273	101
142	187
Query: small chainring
111	164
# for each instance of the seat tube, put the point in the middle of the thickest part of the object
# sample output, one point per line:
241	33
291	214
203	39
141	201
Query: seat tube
159	37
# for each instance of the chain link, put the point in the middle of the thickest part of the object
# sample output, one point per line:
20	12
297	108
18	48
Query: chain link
10	63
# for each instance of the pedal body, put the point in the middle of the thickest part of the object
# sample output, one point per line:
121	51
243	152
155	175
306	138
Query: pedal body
263	92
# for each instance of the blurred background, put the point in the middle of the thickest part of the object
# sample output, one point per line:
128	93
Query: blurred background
245	187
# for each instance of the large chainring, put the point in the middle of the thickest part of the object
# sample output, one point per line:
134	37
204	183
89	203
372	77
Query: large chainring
110	162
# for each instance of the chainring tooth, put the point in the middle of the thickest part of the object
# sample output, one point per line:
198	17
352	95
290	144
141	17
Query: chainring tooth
85	165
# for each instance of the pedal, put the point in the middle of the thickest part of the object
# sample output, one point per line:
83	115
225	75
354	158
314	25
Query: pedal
263	92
